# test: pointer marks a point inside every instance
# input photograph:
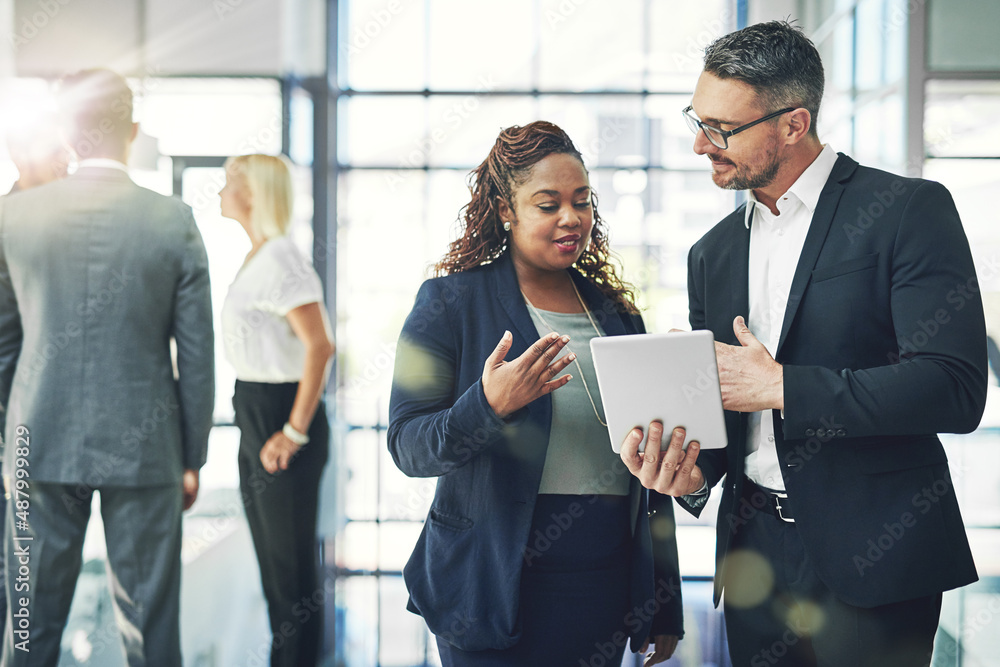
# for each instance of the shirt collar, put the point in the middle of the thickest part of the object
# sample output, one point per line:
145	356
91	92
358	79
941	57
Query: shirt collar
102	163
807	187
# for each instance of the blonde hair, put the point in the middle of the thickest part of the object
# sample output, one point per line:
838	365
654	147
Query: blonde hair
268	180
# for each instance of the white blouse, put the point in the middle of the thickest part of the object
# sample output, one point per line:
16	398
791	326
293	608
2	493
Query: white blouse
258	339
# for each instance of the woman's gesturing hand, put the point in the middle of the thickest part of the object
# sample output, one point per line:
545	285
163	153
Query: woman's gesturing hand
511	385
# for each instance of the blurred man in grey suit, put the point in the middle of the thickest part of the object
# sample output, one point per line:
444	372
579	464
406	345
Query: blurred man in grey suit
97	277
41	157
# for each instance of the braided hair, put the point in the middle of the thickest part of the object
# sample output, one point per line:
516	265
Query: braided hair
508	165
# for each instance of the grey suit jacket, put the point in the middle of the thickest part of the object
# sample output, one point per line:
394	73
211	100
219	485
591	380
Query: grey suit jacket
97	275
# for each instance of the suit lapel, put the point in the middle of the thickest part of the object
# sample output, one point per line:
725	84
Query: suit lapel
739	281
739	274
819	227
508	293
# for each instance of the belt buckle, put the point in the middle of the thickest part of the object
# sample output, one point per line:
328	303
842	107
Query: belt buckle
778	497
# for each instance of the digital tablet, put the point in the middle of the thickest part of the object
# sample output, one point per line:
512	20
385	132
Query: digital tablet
671	377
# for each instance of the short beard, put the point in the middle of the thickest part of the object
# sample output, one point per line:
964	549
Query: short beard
751	177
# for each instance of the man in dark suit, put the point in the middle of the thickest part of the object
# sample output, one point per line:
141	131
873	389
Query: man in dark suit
850	331
98	278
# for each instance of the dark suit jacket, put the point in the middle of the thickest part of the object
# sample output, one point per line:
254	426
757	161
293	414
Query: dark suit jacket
883	346
97	275
463	576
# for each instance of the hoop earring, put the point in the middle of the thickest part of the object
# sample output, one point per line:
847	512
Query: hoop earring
506	225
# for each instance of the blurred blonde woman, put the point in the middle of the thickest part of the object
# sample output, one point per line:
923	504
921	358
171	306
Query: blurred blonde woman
277	336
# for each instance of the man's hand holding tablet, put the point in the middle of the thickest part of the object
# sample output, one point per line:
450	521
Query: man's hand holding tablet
672	471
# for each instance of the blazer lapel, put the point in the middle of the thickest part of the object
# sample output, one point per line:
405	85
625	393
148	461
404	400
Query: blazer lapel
508	293
819	227
739	281
739	274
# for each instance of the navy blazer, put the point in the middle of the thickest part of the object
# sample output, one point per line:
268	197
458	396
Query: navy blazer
884	346
464	574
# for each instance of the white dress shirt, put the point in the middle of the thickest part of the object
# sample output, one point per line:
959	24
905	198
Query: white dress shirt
102	163
259	341
775	245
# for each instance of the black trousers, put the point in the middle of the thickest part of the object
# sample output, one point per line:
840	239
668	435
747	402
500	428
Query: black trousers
779	613
574	605
281	510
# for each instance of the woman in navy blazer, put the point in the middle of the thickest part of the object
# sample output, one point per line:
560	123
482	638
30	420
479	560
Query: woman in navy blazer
501	573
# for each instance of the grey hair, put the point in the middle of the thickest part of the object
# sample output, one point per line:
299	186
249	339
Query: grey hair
777	60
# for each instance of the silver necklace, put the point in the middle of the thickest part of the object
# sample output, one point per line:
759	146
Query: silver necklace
583	379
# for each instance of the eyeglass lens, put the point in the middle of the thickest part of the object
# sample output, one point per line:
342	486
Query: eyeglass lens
711	133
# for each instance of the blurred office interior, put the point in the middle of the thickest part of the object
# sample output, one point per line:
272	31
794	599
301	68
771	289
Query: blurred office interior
384	106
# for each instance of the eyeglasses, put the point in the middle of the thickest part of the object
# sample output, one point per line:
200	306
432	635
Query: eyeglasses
720	138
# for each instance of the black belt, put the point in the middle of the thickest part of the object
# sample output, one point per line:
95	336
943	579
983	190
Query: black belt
774	503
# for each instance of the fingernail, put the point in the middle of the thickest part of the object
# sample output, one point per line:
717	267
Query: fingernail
572	357
678	432
565	339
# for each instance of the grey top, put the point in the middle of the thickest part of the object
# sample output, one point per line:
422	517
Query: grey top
579	459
